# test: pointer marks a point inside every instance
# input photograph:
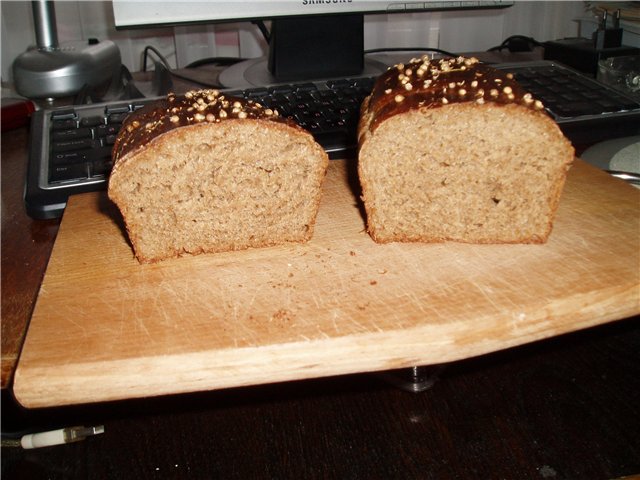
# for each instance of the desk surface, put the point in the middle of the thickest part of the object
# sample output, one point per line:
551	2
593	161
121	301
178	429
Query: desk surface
106	327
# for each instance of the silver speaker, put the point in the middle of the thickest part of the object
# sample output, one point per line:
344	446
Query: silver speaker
50	70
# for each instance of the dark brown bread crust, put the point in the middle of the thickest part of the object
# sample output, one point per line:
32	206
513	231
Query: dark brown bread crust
195	107
424	83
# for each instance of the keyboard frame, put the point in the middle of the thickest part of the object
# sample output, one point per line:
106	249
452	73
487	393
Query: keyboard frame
46	201
42	199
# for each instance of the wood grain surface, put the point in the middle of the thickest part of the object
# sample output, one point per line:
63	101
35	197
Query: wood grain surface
106	328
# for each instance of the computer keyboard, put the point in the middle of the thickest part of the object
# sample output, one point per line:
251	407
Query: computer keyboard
70	147
570	96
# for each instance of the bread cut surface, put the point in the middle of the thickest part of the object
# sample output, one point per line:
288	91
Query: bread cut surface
212	184
461	154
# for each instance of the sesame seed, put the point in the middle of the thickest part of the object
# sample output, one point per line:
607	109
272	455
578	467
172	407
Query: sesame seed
242	115
174	119
399	98
507	90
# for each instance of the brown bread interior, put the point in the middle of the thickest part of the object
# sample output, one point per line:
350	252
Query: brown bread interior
465	172
217	187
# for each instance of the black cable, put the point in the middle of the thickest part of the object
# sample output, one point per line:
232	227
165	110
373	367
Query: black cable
160	56
222	61
517	43
263	29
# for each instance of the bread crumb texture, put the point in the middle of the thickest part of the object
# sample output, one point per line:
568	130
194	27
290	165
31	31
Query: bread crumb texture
456	160
212	186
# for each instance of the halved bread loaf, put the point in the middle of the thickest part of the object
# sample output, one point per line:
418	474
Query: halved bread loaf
452	149
205	173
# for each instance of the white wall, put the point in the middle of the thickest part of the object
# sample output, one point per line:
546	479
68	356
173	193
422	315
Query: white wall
456	31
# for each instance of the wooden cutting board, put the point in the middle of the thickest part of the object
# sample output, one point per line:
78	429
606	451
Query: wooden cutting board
105	327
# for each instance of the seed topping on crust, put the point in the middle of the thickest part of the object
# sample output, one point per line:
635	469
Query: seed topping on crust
431	83
192	108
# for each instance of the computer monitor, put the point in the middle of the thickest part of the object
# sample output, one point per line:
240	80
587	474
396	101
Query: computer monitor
308	39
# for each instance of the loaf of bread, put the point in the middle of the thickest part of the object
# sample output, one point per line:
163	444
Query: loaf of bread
454	150
205	173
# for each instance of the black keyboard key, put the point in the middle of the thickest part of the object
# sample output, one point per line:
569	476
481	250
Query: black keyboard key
117	118
340	83
76	133
254	93
607	105
112	109
67	158
98	153
278	90
101	168
91	121
575	109
64	124
65	114
61	173
77	144
106	130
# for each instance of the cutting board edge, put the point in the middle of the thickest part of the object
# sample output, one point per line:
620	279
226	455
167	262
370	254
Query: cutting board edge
79	384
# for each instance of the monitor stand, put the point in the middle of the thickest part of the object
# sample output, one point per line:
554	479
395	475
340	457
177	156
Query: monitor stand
254	73
303	49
